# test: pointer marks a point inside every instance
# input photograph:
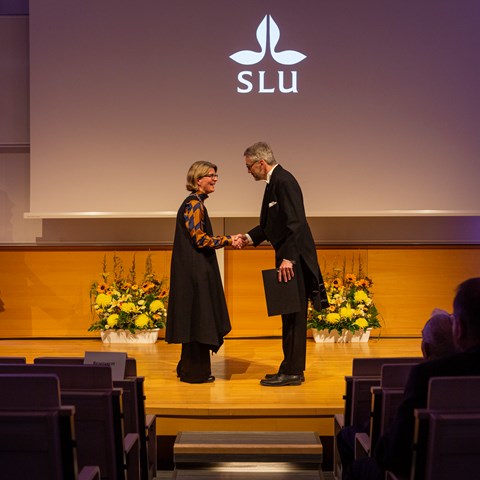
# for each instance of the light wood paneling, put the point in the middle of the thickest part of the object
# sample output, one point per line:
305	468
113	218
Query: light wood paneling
44	291
411	282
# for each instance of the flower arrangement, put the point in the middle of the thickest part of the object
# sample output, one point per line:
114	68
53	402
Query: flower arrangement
351	305
123	304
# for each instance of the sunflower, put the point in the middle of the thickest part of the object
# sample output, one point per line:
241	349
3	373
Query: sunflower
147	286
337	282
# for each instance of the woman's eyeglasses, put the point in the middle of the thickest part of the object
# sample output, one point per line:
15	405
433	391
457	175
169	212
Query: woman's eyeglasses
213	176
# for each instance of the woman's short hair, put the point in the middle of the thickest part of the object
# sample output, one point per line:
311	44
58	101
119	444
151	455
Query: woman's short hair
197	171
260	151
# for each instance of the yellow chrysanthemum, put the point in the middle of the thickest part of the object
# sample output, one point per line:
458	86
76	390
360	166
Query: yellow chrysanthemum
128	307
332	318
112	320
103	300
347	312
362	323
141	321
361	296
156	305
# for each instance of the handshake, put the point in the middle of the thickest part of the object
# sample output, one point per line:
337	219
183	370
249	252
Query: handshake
239	241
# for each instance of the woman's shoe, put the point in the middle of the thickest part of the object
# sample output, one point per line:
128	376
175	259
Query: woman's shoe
210	379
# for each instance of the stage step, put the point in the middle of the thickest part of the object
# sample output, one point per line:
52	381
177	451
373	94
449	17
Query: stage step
268	455
208	474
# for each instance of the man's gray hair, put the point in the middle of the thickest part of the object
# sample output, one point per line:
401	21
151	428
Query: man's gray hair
260	151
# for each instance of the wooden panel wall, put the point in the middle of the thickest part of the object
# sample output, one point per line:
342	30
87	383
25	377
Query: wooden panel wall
44	292
408	283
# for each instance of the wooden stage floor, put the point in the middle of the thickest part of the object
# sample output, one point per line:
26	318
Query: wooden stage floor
236	400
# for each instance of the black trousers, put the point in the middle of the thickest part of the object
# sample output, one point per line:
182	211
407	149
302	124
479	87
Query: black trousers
294	330
194	365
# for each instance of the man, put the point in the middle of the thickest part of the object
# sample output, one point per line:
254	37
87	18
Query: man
283	223
394	449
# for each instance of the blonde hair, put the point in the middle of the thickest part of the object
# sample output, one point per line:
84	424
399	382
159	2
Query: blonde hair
197	171
260	151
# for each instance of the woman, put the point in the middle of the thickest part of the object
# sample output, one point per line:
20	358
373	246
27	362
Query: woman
197	314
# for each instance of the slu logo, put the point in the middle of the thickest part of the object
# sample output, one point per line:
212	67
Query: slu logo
267	29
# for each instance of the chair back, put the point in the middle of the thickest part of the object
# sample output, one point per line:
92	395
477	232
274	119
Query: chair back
29	392
371	366
36	434
453	449
98	412
130	364
454	393
13	360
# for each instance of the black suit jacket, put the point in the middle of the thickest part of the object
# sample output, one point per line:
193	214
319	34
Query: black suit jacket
284	224
394	449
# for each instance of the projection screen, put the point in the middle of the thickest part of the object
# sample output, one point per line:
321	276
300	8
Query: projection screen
372	104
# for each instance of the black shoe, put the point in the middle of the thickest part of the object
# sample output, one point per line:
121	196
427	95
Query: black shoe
268	376
281	380
210	379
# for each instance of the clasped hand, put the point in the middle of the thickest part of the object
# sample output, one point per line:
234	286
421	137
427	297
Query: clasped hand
239	241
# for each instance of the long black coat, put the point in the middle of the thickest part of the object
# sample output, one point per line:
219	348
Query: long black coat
197	310
284	224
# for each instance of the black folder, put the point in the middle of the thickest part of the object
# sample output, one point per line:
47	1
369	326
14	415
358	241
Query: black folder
281	297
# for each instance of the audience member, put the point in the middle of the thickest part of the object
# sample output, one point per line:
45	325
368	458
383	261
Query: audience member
437	336
394	450
437	341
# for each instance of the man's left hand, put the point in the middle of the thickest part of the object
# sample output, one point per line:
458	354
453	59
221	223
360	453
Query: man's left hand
285	271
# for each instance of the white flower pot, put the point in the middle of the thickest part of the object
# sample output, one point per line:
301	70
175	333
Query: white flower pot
124	336
361	335
323	336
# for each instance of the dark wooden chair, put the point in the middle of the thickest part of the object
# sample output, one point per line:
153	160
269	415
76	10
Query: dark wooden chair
13	360
366	373
98	417
447	432
385	400
135	418
36	432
